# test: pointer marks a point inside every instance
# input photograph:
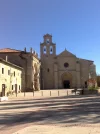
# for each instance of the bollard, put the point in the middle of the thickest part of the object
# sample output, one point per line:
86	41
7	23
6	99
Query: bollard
33	92
67	92
24	93
58	92
42	93
50	93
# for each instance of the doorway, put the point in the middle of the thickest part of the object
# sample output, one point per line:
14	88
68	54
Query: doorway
66	84
85	84
3	90
16	88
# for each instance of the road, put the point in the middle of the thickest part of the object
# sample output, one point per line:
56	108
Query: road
16	114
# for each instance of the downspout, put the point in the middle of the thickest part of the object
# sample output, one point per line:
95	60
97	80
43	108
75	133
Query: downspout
23	58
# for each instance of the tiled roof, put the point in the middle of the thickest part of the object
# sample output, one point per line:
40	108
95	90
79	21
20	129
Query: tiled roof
8	50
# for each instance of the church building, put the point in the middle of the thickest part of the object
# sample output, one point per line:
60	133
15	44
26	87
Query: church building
65	70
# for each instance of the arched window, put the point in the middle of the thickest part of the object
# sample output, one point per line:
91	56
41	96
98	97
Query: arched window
47	41
51	50
44	50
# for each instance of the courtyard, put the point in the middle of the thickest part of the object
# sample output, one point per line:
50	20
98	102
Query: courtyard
63	114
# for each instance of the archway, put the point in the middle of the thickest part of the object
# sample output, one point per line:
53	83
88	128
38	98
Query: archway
66	80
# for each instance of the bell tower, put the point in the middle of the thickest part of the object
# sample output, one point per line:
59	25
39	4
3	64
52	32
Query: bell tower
47	48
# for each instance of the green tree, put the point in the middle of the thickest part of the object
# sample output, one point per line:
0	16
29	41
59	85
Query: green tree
98	80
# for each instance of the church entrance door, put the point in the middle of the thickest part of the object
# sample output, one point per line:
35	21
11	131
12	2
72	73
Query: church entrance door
66	84
66	80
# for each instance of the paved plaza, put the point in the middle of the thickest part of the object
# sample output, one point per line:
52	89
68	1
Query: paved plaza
54	115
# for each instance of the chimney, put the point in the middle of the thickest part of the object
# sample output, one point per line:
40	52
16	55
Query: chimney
6	58
31	50
25	49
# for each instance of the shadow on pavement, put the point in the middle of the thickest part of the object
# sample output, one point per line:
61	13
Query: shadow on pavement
57	110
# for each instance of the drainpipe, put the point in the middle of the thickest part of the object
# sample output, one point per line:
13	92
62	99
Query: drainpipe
23	58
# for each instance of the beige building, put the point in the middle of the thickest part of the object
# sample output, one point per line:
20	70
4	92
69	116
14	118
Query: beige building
30	63
64	70
10	77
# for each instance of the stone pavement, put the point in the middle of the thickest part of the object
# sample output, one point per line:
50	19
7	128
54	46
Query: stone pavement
81	112
45	129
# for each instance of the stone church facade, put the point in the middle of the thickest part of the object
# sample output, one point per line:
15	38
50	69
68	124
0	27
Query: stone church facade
64	70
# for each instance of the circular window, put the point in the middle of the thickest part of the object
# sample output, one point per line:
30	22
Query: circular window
66	64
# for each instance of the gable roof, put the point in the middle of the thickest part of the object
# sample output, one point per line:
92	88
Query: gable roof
86	60
9	50
4	50
66	53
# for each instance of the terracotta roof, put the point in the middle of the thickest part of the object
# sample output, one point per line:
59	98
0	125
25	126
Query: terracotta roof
8	50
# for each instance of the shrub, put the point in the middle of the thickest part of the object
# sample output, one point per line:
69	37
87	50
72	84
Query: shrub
93	88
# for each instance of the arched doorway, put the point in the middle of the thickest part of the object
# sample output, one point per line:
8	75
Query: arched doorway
66	80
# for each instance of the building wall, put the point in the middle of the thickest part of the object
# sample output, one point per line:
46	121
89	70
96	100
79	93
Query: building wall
10	79
27	62
17	60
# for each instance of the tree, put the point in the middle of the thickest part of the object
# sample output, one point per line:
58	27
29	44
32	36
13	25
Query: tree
98	80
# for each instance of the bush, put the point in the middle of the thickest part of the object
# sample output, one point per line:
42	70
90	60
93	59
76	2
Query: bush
93	88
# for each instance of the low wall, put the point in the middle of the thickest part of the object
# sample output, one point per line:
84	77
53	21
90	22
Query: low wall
54	93
45	93
87	92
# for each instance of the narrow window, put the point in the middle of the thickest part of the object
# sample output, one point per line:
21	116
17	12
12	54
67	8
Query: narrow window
12	87
14	73
19	87
85	84
2	70
48	70
51	50
44	50
8	72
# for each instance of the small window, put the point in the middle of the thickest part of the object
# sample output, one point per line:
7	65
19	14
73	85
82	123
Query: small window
12	87
19	87
2	70
77	62
14	73
8	72
47	41
48	70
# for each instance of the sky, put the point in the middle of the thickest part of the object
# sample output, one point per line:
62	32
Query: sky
74	25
